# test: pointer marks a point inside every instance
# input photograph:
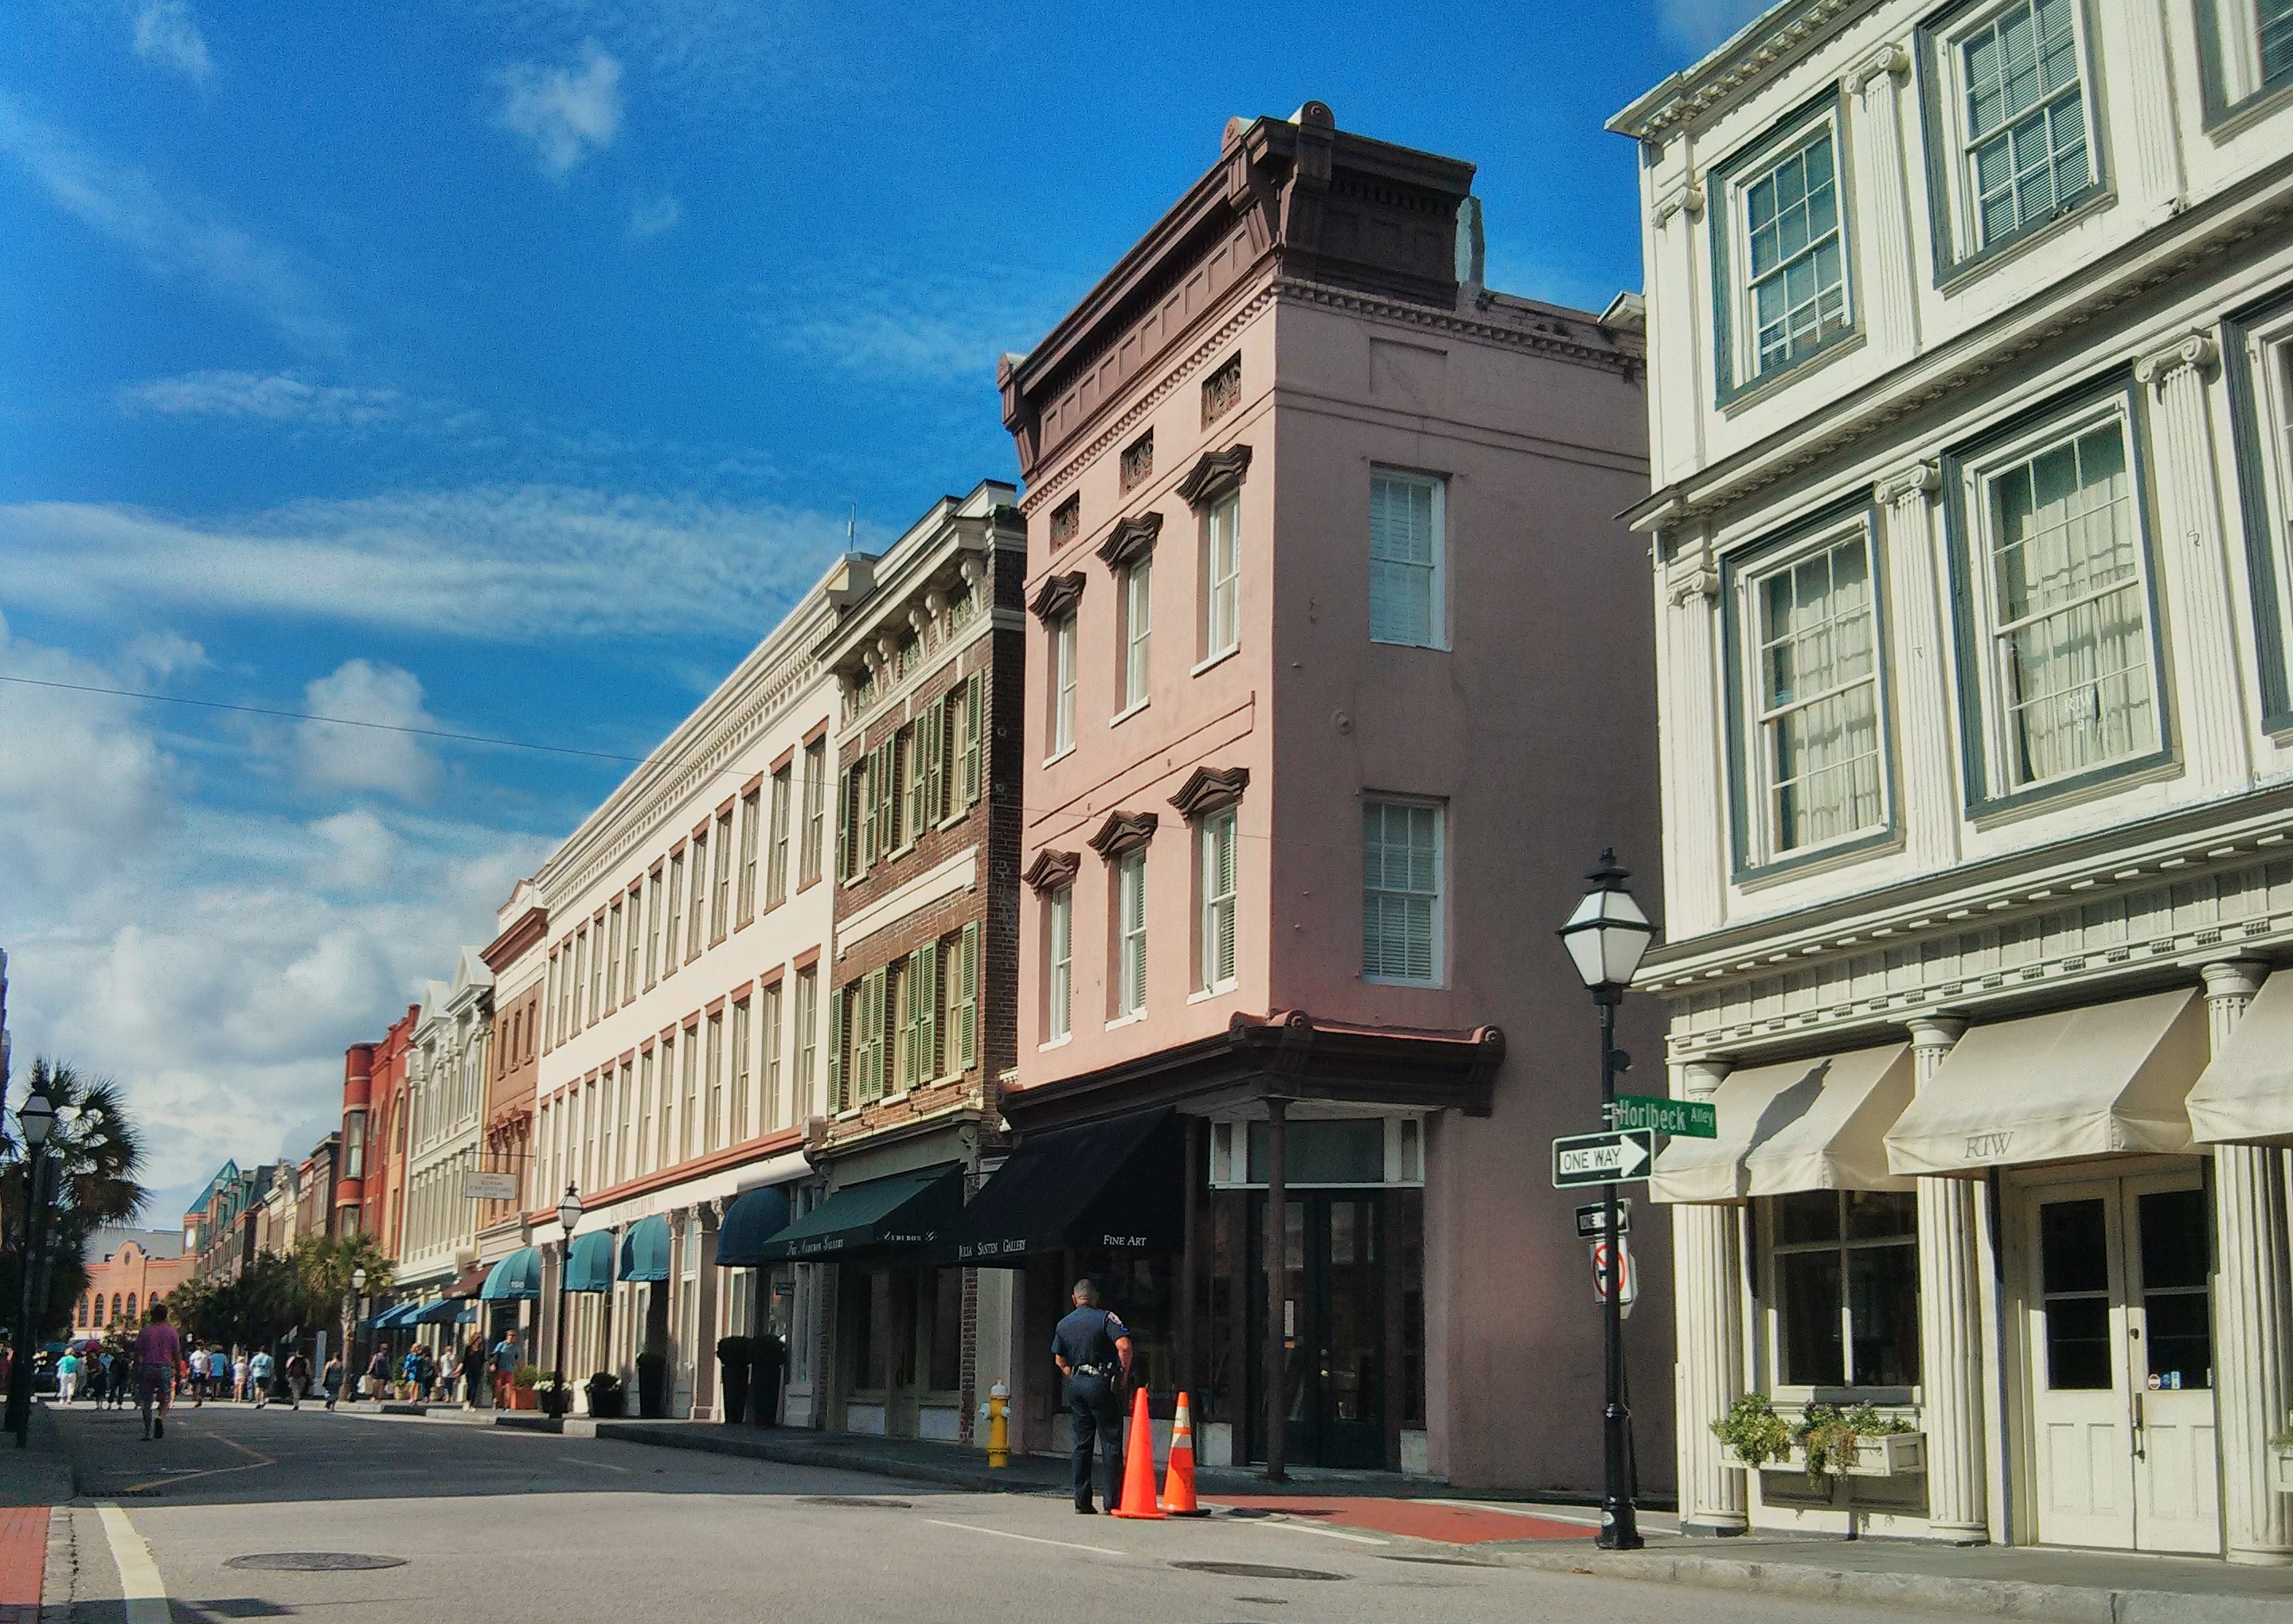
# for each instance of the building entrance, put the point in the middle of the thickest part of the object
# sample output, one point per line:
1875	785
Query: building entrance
1335	1319
2120	1323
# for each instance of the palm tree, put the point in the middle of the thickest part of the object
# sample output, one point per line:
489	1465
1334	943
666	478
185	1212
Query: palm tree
94	1151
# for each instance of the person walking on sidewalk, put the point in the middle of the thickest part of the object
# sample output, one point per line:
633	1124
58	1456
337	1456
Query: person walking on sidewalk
473	1372
298	1378
1092	1347
238	1377
258	1377
67	1375
378	1374
158	1350
331	1378
506	1358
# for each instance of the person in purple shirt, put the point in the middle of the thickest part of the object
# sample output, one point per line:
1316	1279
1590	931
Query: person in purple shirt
157	1352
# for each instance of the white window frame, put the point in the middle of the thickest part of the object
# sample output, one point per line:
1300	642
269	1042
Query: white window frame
1062	664
1128	892
1217	917
1221	572
1058	959
1439	895
1138	633
1764	842
1957	139
1744	316
808	1042
2235	27
769	1004
2269	358
1437	611
1976	478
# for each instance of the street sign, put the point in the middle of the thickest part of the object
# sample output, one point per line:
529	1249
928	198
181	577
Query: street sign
489	1186
1625	1267
1682	1118
1602	1158
1593	1222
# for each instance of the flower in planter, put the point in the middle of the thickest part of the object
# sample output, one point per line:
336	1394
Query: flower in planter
1754	1432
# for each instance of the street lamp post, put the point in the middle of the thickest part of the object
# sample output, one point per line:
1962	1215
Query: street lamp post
34	1117
350	1331
1606	937
569	1214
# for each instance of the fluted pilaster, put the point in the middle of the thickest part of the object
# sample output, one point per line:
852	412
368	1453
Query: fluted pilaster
2253	1311
1707	1263
1688	681
1927	798
1951	1328
1890	295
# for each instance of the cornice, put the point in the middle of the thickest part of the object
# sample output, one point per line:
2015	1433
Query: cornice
1629	362
1213	473
1057	595
1130	537
1123	832
1750	60
1209	790
1052	870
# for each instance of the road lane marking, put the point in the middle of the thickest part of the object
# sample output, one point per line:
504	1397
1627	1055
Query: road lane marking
1065	1545
1326	1533
172	1475
140	1584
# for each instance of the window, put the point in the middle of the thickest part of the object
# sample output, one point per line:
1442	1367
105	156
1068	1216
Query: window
1138	628
696	901
549	1002
1818	698
916	780
768	1040
1214	883
1401	892
634	907
748	818
960	955
1058	1012
599	957
816	811
712	1117
669	955
2063	598
1221	589
662	1143
641	1155
652	927
2014	95
776	865
720	896
355	1144
1130	912
738	1099
624	1156
1794	254
1063	685
807	1041
688	1108
2251	48
1846	1288
1404	560
581	976
613	958
974	756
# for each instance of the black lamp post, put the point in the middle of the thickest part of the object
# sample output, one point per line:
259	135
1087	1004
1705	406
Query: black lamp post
1606	937
34	1117
569	1214
349	1332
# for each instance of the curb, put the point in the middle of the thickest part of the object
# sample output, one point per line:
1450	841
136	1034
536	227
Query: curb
1987	1597
789	1452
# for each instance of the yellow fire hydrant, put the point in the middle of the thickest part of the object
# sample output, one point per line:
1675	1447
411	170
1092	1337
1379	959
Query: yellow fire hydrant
999	1425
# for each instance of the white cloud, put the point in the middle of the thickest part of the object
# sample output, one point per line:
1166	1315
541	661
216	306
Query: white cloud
85	782
269	397
168	35
360	852
1702	24
943	328
649	217
565	114
177	239
332	756
514	564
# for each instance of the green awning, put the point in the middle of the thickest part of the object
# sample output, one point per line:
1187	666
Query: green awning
881	1216
443	1311
646	1250
590	1268
753	1218
516	1277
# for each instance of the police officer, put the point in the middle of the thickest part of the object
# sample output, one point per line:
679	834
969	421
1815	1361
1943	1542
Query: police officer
1092	1350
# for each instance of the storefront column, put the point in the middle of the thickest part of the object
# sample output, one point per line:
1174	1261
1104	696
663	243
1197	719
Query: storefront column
1951	1328
2253	1310
1707	1263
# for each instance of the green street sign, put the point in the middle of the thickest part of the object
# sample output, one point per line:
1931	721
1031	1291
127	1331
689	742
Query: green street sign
1682	1118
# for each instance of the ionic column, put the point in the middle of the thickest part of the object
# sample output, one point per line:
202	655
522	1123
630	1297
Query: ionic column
1951	1328
1707	1271
1891	300
1929	799
2253	1310
1692	744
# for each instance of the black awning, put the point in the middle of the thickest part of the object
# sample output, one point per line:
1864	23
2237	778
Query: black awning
1111	1186
883	1215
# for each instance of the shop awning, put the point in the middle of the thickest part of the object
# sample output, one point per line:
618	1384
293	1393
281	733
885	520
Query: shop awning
473	1281
1105	1186
883	1214
590	1268
397	1317
646	1247
2107	1079
445	1310
516	1277
2246	1095
1817	1124
754	1217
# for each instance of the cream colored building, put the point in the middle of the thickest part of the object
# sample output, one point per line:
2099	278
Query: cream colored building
1971	335
444	1125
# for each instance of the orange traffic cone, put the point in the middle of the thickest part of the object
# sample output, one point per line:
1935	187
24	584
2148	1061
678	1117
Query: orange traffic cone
1179	1478
1138	1467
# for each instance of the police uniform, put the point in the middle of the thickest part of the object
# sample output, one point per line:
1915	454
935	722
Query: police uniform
1086	1340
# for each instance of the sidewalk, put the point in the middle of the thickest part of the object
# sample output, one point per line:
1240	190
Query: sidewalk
32	1482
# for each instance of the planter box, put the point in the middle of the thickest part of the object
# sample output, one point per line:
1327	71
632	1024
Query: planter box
2281	1468
521	1398
1889	1455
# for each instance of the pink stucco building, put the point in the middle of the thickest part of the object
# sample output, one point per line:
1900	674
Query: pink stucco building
1335	687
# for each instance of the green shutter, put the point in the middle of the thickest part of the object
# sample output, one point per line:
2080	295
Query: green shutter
880	1023
844	824
935	743
967	1012
974	730
888	803
926	1007
836	998
900	992
864	786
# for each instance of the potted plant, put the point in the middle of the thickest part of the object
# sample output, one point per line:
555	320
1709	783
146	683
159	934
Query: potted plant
653	1385
769	1360
2280	1460
606	1395
554	1397
520	1390
1753	1432
733	1363
1858	1441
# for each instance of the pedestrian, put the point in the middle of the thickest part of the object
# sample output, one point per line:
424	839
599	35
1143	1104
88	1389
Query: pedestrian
258	1377
238	1377
67	1375
378	1374
449	1374
505	1362
195	1376
473	1371
158	1350
330	1380
298	1377
1092	1347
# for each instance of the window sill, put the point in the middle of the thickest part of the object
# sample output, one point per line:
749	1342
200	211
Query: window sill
1755	390
1818	859
1223	989
1059	1042
2092	784
1218	659
1056	756
1390	643
1955	276
1121	716
1394	981
807	885
849	1114
1119	1022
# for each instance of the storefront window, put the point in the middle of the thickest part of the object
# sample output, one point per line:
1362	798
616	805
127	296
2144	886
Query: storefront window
943	1301
1847	1287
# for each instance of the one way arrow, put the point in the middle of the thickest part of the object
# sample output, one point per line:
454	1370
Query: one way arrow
1632	1155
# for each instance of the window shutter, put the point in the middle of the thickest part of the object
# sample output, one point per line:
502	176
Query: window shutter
887	797
1223	844
926	1007
871	1010
836	1100
975	717
863	793
910	1023
931	736
966	1017
844	824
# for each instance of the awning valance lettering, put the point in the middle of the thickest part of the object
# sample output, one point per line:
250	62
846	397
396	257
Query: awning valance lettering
1105	1186
882	1215
2246	1095
516	1277
1817	1124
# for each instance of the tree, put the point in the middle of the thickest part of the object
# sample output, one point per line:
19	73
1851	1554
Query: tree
327	1263
94	1151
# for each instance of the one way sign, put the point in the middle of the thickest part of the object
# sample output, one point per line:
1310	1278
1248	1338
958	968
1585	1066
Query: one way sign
1602	1158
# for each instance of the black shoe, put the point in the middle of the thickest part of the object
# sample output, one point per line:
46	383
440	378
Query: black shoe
159	1426
1086	1511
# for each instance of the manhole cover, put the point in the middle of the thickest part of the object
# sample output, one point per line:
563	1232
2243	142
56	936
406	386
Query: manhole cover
314	1562
864	1502
1252	1570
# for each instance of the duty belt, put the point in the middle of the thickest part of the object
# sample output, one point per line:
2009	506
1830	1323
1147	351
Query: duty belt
1092	1369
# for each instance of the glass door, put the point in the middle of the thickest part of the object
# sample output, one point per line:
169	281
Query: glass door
1333	1328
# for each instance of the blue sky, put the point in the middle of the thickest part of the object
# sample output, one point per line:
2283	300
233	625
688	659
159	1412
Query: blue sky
504	368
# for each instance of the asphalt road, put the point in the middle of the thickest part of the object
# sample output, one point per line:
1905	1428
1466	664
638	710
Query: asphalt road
502	1528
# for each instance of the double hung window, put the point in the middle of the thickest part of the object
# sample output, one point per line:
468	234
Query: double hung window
1401	892
1215	885
633	906
807	1041
712	1115
720	890
1063	685
1131	933
652	927
2018	121
816	811
1221	588
2250	47
1058	1011
1816	696
1406	511
1793	253
768	1041
696	903
1138	628
748	818
688	1108
776	855
739	1102
671	947
1846	1274
613	958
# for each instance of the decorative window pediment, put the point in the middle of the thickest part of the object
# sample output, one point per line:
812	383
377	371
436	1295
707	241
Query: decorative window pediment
1209	790
1213	475
1052	870
1132	538
1123	832
1057	597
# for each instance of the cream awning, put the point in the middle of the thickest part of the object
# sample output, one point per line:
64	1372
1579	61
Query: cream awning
2246	1096
2105	1079
1811	1124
